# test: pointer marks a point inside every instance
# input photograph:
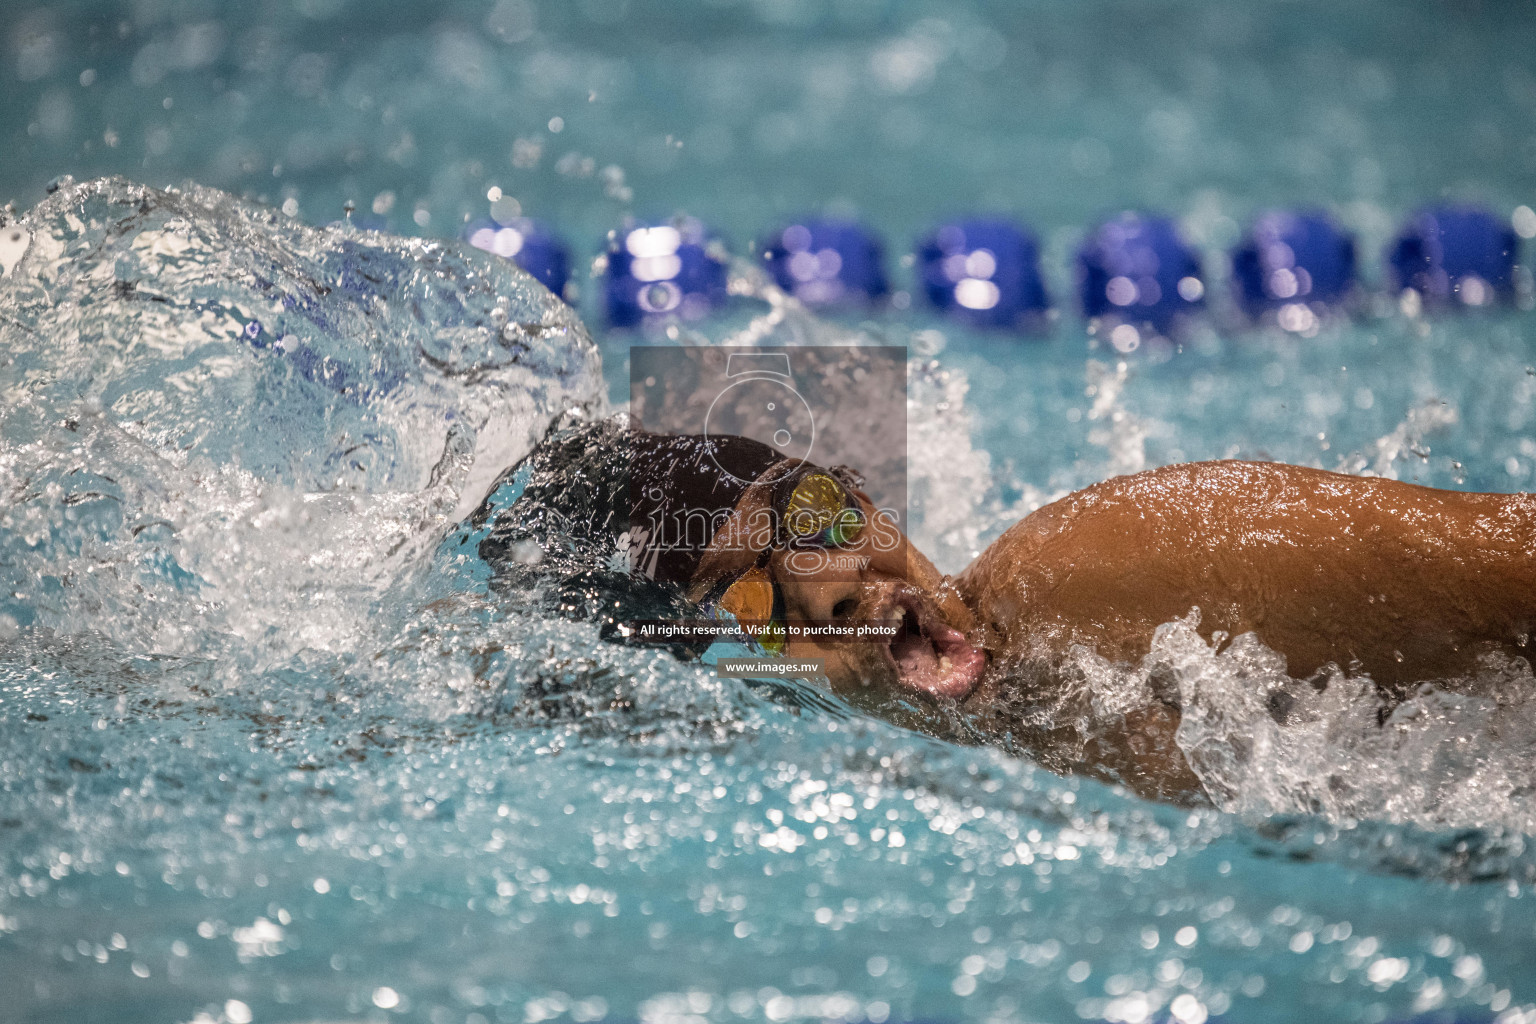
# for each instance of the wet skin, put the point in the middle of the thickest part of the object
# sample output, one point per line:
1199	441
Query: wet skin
1400	582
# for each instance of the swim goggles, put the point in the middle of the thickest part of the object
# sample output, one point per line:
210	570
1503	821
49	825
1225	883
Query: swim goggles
811	507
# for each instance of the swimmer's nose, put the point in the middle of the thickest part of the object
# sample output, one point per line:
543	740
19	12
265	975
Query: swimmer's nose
839	600
892	563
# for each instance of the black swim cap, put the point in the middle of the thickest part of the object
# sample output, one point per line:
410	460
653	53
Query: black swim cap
603	495
682	489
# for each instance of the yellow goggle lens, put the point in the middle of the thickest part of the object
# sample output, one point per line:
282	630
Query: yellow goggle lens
750	598
818	503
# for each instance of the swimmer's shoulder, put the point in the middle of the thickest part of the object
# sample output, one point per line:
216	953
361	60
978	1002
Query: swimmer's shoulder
1177	507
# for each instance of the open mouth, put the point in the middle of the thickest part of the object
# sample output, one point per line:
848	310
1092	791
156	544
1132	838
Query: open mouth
931	656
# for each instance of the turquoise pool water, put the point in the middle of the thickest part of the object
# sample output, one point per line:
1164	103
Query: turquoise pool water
268	751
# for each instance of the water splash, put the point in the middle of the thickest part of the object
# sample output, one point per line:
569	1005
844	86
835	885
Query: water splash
1119	431
1264	743
1407	439
1455	755
218	420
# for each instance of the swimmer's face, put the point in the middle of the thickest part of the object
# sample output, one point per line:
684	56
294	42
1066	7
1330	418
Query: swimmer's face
877	579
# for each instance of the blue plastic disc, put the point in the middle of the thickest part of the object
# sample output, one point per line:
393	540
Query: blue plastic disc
1289	258
663	270
1135	268
984	272
828	262
528	243
1456	253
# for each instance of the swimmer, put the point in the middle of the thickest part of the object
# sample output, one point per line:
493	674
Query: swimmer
1400	582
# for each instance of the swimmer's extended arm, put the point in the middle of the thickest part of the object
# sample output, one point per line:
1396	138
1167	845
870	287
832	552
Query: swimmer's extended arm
1404	582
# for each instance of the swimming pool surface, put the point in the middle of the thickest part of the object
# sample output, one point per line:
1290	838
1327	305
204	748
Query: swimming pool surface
269	751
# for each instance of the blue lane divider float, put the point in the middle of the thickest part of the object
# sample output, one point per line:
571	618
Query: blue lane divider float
530	244
1136	269
1456	253
1297	265
666	269
985	273
828	262
1291	267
